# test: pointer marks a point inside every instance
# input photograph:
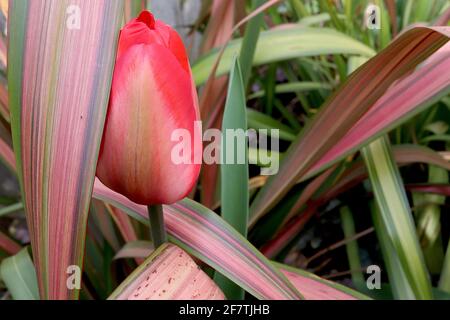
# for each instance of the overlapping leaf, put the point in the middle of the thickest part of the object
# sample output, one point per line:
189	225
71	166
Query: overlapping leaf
8	245
316	288
396	216
59	74
19	275
234	174
282	44
355	114
168	273
403	154
205	235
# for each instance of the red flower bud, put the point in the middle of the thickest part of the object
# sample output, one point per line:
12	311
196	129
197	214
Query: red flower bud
152	95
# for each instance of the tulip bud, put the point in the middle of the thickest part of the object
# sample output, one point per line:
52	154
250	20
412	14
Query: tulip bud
152	94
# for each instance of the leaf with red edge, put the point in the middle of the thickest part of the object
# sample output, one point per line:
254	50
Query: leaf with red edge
59	81
4	106
7	155
442	189
168	273
366	106
9	245
203	234
403	154
316	288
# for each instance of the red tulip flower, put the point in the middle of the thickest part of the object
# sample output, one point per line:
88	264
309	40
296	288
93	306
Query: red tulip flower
152	95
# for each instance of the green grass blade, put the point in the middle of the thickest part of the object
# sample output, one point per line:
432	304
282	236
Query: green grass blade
19	276
282	44
234	175
428	217
10	209
401	289
385	27
444	280
316	288
421	10
132	8
292	87
348	226
258	120
299	8
440	175
249	42
396	214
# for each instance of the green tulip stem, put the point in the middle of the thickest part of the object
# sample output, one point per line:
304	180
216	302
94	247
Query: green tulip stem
157	228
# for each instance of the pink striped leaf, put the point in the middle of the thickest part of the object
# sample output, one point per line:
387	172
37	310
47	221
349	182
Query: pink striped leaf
4	106
8	245
203	234
99	215
123	223
442	189
316	288
403	155
284	236
168	273
135	249
125	226
371	102
401	102
7	155
60	60
312	286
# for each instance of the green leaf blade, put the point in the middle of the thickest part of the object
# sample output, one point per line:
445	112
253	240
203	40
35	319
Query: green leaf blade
278	44
396	214
19	275
234	173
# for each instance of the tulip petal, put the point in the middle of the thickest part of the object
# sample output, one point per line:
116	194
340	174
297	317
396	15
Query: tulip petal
163	31
140	31
147	18
151	96
176	46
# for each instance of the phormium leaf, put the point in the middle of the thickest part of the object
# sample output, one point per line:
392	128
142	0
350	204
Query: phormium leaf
59	74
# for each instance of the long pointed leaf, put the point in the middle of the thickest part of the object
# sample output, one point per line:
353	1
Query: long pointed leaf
19	275
404	154
322	142
234	176
9	245
170	274
401	288
316	288
202	233
59	79
282	44
396	215
402	102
